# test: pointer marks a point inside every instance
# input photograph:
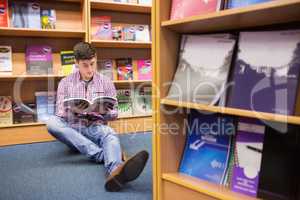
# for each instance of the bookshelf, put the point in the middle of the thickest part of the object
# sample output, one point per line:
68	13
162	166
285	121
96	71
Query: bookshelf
170	130
124	13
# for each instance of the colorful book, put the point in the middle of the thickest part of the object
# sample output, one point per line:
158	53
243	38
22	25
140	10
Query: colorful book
201	75
266	72
48	18
117	32
125	107
5	59
24	113
145	2
3	13
129	32
34	15
248	154
6	114
142	33
242	3
39	59
67	62
105	67
207	148
124	69
142	101
144	69
186	8
101	27
45	105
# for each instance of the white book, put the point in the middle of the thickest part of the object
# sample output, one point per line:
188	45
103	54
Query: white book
5	59
145	2
142	33
203	68
82	105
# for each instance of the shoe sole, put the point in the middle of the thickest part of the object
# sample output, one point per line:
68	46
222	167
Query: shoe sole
131	170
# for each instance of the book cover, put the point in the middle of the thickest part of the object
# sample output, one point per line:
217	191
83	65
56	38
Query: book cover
129	32
242	3
124	69
248	154
45	105
145	2
141	101
207	148
39	59
5	59
186	8
144	69
67	62
101	27
34	15
6	114
3	13
125	108
266	72
19	16
117	32
148	100
133	1
48	18
142	33
201	75
24	113
105	67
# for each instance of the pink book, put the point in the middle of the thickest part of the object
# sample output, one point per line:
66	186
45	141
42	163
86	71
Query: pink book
144	70
186	8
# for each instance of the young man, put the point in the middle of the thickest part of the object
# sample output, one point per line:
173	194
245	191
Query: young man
88	132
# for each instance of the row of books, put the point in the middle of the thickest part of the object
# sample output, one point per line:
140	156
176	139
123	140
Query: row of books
39	61
186	8
142	2
27	15
259	72
131	102
238	153
104	29
124	68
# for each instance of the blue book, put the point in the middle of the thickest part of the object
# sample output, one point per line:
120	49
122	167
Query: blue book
241	3
45	105
207	148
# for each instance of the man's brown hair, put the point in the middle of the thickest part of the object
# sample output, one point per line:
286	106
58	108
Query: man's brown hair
84	51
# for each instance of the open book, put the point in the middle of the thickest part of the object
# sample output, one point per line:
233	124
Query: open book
99	103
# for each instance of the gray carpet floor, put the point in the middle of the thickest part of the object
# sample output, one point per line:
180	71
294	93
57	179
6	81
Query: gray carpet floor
50	171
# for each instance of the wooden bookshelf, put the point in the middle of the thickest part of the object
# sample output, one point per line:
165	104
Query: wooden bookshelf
55	33
29	77
122	7
121	44
171	116
238	18
208	190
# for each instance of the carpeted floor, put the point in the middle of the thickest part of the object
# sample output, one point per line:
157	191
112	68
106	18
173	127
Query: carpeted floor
50	171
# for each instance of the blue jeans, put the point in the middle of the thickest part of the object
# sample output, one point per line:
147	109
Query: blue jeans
98	142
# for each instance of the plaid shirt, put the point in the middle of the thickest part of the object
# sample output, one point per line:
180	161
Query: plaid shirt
73	86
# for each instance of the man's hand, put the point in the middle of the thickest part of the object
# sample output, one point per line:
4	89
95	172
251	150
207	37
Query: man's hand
78	109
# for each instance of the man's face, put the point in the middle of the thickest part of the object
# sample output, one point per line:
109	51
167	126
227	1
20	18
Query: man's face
87	68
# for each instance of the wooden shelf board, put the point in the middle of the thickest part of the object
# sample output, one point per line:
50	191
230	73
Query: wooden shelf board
251	16
26	32
210	189
234	111
22	125
131	82
121	7
121	44
29	77
135	116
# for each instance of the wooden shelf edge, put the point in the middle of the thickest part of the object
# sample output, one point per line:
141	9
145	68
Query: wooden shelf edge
131	81
2	77
121	7
210	189
135	116
255	8
235	111
26	32
121	44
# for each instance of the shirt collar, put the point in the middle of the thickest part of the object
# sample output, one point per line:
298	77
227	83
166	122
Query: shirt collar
78	77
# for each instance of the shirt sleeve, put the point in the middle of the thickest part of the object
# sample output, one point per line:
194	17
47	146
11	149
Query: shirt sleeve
61	94
110	90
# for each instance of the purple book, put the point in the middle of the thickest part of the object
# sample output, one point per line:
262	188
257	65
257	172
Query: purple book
248	154
266	72
39	59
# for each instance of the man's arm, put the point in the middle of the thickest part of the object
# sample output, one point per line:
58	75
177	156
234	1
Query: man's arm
60	96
